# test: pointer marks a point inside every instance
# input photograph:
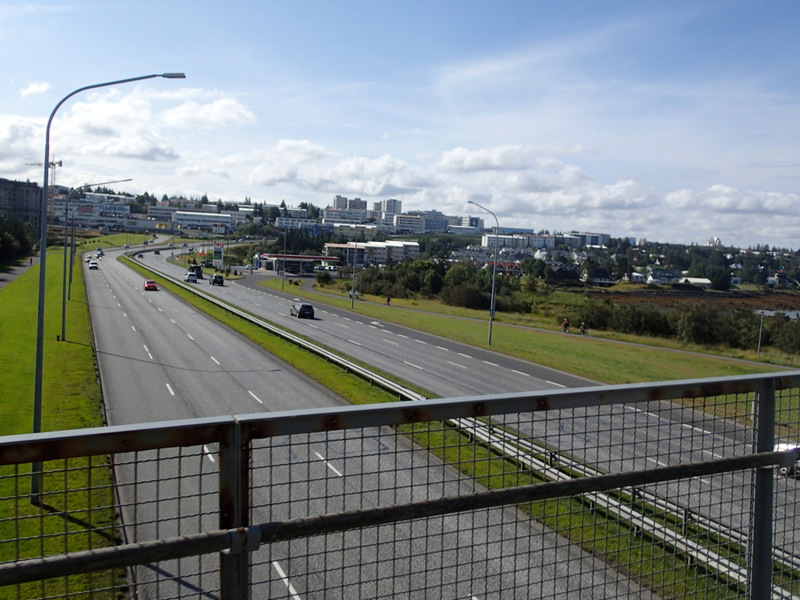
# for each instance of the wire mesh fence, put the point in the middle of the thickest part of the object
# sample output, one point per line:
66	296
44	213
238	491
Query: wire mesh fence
669	490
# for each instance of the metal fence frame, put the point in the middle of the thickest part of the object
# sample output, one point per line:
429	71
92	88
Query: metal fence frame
236	537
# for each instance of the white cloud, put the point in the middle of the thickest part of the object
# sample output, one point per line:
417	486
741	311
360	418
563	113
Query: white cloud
35	87
220	113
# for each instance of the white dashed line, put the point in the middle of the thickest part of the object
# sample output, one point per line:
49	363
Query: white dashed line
391	342
190	337
464	355
286	581
132	327
553	383
443	348
330	466
402	336
209	454
520	372
254	396
491	364
215	360
355	343
413	365
169	388
421	342
456	364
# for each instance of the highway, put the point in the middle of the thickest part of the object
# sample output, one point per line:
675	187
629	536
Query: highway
160	359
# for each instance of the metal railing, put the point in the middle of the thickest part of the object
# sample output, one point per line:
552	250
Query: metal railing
655	490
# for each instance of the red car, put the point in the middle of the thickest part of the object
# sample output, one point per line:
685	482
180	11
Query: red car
149	284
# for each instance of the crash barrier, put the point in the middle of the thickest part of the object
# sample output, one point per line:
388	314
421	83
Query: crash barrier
670	489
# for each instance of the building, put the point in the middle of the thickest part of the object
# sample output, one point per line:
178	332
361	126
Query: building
373	253
409	223
21	199
390	206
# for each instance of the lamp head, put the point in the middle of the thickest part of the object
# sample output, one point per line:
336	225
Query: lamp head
173	75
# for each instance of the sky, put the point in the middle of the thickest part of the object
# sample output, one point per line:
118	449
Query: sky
667	121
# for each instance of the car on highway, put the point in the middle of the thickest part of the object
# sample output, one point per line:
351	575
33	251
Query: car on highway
93	264
217	280
190	277
302	310
150	285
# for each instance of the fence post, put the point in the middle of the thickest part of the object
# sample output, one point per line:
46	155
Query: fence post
760	562
233	510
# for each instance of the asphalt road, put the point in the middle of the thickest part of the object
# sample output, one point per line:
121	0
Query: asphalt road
161	360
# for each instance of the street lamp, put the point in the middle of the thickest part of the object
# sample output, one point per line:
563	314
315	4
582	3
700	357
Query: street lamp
64	270
37	383
283	272
494	266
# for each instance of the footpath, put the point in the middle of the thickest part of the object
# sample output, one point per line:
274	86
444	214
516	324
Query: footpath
10	272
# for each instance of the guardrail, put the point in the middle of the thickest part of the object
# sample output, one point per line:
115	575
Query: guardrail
394	501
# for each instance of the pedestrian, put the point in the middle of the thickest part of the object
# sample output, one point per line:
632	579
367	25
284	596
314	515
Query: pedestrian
583	328
30	261
565	326
388	301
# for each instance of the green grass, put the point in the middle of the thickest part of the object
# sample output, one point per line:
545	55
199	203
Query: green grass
595	358
70	399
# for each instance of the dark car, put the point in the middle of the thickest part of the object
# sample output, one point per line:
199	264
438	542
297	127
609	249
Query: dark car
216	280
302	310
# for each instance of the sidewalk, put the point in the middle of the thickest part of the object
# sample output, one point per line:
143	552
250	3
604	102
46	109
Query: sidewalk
13	271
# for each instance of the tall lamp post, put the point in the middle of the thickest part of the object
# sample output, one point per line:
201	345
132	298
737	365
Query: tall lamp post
494	265
37	383
64	270
283	272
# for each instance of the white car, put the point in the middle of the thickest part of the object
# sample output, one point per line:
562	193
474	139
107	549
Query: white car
790	471
93	264
190	277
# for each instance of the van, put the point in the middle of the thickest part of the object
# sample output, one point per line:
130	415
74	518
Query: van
190	277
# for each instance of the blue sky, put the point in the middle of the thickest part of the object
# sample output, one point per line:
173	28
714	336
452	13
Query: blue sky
670	121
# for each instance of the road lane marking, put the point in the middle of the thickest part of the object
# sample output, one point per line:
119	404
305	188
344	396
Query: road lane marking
554	383
343	325
391	342
330	466
520	372
286	581
456	364
132	327
413	365
169	387
402	336
190	337
355	343
254	396
443	348
215	360
313	326
464	355
491	364
421	342
209	454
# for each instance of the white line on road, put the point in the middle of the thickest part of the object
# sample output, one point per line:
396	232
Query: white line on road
464	355
413	365
421	342
215	360
659	463
190	337
173	321
132	327
457	365
209	454
491	364
286	581
330	466
553	383
169	388
391	342
343	325
402	336
355	343
443	348
520	372
254	396
125	315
